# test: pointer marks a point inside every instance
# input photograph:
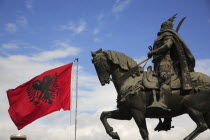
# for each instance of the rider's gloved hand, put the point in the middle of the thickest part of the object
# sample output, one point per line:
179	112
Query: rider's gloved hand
149	55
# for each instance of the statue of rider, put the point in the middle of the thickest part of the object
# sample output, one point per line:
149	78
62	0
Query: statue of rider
171	56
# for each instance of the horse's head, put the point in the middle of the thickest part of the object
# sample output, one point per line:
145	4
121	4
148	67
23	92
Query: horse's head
102	66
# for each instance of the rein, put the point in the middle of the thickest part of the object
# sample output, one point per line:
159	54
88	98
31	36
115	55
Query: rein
130	72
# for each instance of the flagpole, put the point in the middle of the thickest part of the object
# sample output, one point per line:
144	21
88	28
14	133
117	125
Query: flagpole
77	59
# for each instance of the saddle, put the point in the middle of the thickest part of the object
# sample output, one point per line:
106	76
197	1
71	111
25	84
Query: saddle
199	80
150	80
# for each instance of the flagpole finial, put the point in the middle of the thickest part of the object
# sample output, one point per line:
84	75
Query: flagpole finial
76	59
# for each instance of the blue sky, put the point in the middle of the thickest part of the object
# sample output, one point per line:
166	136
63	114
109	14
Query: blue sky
37	35
128	27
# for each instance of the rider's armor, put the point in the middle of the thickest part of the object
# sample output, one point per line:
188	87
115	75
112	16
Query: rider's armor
162	58
163	66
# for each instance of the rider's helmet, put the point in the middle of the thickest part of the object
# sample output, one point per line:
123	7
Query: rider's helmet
168	24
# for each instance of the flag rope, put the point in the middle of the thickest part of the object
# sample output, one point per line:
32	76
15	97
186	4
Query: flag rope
77	59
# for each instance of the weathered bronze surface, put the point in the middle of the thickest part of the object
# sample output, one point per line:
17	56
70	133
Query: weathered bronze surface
170	90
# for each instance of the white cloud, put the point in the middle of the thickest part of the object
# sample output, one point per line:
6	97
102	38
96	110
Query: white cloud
208	20
97	40
9	46
47	55
17	44
96	31
29	4
22	66
202	65
55	54
22	20
100	23
100	17
120	5
11	27
76	28
62	50
64	44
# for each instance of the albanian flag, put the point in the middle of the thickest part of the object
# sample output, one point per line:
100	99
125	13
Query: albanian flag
40	96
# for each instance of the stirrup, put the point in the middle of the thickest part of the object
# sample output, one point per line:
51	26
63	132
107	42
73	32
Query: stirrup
159	105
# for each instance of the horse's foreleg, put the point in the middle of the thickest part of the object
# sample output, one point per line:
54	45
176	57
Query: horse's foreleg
198	118
140	120
114	115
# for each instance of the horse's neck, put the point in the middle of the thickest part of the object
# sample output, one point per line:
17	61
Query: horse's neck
116	74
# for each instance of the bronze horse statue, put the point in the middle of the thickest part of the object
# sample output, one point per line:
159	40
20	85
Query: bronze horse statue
133	97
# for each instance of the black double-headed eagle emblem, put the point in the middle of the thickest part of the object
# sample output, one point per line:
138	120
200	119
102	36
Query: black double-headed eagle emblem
44	90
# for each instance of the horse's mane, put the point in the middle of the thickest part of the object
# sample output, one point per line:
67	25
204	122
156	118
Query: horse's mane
121	59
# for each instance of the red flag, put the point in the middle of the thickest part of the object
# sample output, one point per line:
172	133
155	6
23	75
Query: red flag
40	96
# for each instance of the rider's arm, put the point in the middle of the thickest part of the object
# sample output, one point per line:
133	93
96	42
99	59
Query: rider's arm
168	42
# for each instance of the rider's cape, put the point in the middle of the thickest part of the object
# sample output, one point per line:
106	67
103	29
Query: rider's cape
185	58
181	44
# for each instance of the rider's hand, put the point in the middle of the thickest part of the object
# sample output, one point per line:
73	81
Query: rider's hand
149	55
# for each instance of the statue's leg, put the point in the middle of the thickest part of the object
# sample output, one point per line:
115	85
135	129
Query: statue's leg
165	80
165	90
116	114
198	118
141	123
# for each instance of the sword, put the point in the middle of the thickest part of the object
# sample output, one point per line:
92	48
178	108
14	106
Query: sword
179	25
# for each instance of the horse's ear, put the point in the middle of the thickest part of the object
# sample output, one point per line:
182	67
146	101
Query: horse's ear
99	51
93	54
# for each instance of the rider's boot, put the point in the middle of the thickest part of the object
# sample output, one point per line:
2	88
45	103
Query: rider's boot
164	126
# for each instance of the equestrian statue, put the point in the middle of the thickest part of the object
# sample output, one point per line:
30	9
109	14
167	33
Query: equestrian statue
169	89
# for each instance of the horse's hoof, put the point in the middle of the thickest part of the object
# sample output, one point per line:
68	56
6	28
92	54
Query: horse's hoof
114	135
